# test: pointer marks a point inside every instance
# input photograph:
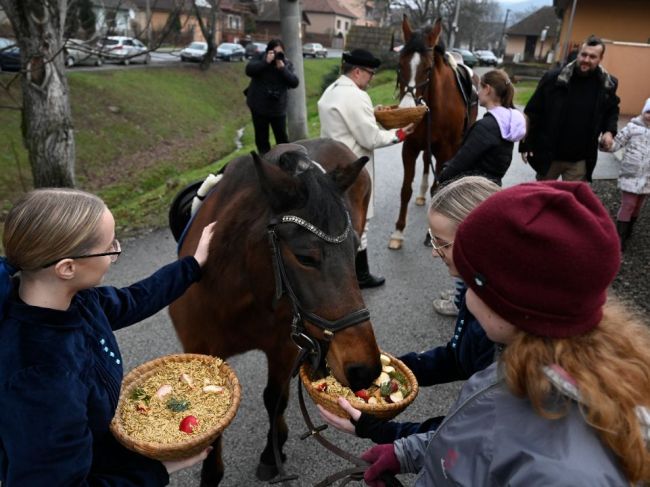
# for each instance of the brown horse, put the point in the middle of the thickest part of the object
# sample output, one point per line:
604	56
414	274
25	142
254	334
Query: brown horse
426	73
281	273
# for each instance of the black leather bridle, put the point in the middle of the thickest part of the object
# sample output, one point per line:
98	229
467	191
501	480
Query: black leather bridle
312	348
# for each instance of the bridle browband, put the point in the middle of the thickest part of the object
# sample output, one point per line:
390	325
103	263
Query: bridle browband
313	349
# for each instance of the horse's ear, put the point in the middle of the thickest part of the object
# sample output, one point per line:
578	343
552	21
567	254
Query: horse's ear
406	29
434	35
344	177
281	190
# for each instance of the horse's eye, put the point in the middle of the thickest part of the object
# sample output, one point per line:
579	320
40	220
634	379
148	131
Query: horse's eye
308	261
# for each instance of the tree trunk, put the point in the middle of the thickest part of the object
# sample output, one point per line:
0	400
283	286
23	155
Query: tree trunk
46	118
291	36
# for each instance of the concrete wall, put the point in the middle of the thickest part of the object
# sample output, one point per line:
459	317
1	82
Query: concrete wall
630	63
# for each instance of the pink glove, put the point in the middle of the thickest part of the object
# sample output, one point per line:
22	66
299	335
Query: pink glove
383	460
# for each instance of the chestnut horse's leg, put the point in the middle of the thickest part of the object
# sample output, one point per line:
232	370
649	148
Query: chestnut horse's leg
212	470
276	395
410	152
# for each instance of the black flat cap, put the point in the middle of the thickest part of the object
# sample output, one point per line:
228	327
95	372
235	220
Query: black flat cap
361	57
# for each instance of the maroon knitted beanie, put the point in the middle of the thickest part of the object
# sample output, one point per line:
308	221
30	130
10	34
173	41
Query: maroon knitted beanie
541	255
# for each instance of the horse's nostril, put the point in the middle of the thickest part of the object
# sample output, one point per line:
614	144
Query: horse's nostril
361	376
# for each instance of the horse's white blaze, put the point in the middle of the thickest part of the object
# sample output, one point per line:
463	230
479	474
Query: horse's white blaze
415	62
408	100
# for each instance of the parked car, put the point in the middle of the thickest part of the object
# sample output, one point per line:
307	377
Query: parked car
124	49
254	49
195	51
227	51
9	55
314	50
79	52
486	58
469	59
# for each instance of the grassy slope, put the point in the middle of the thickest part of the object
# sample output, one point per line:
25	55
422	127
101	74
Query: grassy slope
142	134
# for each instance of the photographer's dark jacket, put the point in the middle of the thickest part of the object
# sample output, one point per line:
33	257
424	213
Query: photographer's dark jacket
267	93
551	129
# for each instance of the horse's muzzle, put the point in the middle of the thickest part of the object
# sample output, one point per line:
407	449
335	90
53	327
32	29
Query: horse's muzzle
361	376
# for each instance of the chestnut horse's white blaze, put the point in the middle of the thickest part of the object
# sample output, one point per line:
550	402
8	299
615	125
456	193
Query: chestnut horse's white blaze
408	100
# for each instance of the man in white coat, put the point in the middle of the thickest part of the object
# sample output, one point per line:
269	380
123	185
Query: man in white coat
347	115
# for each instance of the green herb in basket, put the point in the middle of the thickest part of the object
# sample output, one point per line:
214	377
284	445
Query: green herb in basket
178	405
138	394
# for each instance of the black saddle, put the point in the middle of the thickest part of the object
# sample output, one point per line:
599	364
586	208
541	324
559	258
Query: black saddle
180	211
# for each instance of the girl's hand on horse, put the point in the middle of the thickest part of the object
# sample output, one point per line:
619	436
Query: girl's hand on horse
202	249
175	466
340	423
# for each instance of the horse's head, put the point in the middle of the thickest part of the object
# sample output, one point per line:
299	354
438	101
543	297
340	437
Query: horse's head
313	251
416	61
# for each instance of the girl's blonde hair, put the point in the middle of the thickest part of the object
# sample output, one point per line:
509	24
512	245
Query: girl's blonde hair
49	224
457	199
500	82
611	365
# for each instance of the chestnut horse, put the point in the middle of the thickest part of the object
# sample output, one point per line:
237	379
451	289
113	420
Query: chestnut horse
283	251
426	73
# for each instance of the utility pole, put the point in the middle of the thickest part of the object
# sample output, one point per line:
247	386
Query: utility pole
454	26
503	35
290	25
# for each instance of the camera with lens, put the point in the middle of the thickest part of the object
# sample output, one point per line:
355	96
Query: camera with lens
279	56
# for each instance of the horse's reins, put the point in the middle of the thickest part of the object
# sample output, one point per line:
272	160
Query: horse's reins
311	349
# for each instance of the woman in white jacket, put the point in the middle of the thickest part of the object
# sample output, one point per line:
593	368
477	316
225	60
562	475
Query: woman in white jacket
634	173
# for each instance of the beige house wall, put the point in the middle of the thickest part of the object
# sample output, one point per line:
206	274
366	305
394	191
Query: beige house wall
630	63
623	20
515	44
322	23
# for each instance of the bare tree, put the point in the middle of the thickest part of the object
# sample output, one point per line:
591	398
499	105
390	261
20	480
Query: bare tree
46	119
477	21
206	12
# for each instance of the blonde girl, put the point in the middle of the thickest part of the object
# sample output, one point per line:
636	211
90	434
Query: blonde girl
60	362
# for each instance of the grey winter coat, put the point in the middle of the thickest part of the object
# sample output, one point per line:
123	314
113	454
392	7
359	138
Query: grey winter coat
491	438
634	173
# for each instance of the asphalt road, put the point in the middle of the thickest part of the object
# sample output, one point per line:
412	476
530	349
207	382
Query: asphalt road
402	317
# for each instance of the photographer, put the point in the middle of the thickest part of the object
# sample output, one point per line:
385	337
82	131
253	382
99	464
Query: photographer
271	76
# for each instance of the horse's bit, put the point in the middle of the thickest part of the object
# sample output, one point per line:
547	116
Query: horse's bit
313	348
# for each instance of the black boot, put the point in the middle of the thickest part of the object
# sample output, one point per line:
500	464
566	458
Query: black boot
624	230
363	272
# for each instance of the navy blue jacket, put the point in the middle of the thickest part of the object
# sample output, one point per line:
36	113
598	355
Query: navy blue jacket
60	376
469	351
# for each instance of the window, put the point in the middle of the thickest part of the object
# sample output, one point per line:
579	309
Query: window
347	26
338	24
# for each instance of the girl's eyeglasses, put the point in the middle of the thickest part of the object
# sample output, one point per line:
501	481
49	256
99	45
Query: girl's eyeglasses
439	248
114	253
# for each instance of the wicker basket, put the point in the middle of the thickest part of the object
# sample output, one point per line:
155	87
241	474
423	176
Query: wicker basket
383	411
195	444
394	117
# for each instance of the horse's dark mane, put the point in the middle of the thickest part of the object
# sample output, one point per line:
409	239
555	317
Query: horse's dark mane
323	202
417	42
